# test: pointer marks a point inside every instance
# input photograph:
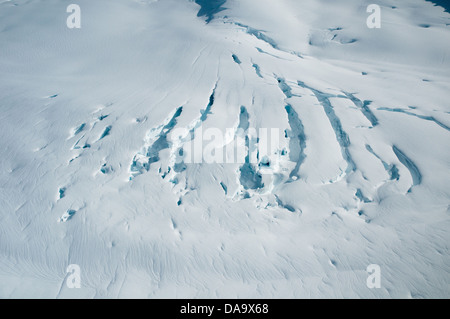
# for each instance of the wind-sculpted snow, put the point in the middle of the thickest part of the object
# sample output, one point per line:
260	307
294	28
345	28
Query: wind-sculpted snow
224	149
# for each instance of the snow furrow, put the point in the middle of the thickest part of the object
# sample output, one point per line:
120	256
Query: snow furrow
258	34
156	142
364	107
249	176
423	117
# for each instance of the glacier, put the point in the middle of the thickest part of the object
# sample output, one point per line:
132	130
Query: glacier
97	124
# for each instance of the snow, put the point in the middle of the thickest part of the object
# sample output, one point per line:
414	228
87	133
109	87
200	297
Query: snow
97	125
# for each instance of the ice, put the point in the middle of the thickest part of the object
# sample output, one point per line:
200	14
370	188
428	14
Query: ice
97	126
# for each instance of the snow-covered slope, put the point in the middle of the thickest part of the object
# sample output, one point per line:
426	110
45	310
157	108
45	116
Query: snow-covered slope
97	125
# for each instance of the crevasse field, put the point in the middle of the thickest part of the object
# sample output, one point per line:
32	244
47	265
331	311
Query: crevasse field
96	125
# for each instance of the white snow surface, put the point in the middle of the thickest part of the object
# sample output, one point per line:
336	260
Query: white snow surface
81	108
